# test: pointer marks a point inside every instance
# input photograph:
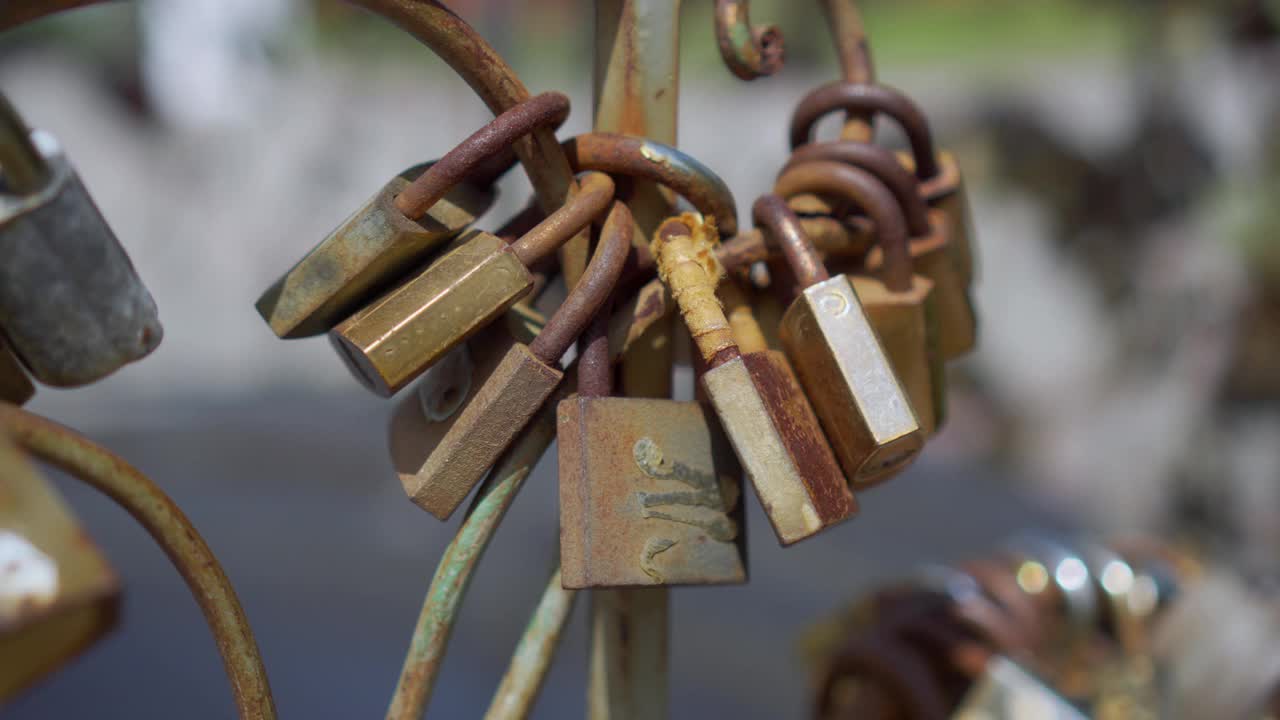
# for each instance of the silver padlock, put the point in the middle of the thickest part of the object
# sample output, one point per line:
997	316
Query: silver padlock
71	304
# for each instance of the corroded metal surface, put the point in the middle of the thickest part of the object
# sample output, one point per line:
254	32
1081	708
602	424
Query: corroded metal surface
627	677
372	248
881	162
649	495
162	519
394	339
519	689
867	98
58	595
854	54
749	51
846	374
945	191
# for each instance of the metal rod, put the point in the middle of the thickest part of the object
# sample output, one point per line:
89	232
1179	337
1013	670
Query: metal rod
529	664
856	66
156	512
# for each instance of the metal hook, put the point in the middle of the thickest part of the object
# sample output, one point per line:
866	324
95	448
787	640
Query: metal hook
749	51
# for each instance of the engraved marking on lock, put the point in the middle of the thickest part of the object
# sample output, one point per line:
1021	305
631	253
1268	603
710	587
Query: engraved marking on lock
652	548
834	304
706	493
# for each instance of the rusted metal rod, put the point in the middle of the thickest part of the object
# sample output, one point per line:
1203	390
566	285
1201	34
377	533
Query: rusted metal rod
532	658
156	512
749	51
856	66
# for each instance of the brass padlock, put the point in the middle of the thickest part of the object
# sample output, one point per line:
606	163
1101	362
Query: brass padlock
400	226
396	337
15	386
842	364
58	595
650	493
756	396
517	385
939	173
904	305
71	304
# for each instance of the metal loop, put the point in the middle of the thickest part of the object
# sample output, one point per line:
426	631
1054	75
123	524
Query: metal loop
868	98
748	51
772	212
594	195
879	162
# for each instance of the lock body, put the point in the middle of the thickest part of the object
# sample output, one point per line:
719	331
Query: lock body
371	249
778	440
945	192
931	256
71	304
847	376
57	593
650	494
15	386
398	336
906	323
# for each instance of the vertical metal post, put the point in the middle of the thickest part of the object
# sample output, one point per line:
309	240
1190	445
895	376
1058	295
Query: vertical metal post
636	92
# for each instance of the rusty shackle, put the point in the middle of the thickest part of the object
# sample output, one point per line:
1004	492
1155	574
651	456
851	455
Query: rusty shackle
594	195
880	162
868	98
492	140
781	221
749	51
871	196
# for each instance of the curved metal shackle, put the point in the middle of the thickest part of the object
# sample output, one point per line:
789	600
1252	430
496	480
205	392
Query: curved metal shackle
594	195
595	369
880	162
546	110
868	98
897	671
749	51
588	297
642	158
22	168
771	212
871	196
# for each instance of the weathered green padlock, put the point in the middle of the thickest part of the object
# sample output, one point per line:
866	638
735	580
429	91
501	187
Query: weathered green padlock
756	396
517	385
650	493
58	595
71	305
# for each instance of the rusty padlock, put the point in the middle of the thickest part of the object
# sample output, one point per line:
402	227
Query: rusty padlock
71	305
939	173
903	306
399	227
396	337
842	365
519	383
756	396
58	595
15	386
650	493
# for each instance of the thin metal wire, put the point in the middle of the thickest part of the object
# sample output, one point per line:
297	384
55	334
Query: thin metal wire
519	689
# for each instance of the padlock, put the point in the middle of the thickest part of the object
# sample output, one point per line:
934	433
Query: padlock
650	493
939	173
395	338
756	396
58	595
71	305
901	305
400	226
517	385
841	363
15	386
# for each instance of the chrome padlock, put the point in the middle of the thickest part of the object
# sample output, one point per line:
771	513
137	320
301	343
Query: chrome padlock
902	304
650	493
769	421
71	304
517	385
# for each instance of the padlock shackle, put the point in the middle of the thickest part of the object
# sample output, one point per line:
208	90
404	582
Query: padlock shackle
594	195
595	366
643	158
592	291
892	669
872	197
868	98
22	166
688	267
545	110
749	51
780	221
880	162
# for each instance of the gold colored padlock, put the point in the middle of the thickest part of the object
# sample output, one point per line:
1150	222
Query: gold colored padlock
58	595
901	305
396	337
772	427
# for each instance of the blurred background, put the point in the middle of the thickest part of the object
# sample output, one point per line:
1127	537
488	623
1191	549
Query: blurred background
1123	163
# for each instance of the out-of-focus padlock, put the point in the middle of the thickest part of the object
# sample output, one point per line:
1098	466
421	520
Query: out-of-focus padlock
15	386
650	493
756	396
57	593
903	306
400	226
398	336
939	173
517	385
842	364
71	304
